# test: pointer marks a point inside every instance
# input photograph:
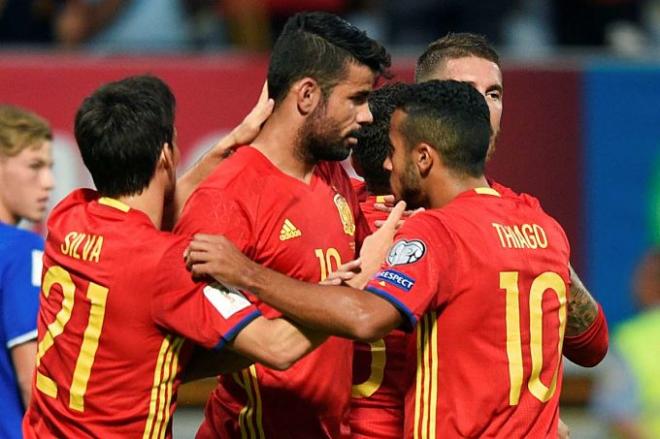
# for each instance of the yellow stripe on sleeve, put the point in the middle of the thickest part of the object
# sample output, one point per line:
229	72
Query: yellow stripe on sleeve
433	347
164	349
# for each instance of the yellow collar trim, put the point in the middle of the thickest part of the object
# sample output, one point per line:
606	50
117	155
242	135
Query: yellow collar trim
487	191
111	202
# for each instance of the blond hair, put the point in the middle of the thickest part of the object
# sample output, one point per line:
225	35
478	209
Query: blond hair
21	129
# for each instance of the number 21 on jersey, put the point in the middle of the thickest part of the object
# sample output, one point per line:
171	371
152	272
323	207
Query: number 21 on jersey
546	283
98	296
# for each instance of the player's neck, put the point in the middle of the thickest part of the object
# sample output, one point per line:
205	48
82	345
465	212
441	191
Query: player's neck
150	202
7	217
278	141
446	186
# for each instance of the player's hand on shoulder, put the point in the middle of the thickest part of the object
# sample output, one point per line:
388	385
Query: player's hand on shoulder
217	257
375	246
250	127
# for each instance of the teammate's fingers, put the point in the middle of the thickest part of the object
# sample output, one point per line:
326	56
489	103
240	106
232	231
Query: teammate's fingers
353	265
379	224
331	281
395	216
197	257
263	96
200	246
199	270
382	207
204	237
263	108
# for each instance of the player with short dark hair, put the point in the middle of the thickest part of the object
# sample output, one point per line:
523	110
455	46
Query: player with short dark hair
380	372
26	180
373	140
319	45
105	128
117	300
483	275
470	58
286	202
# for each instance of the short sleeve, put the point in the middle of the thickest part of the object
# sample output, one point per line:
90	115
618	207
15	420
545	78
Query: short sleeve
217	212
410	277
209	315
20	285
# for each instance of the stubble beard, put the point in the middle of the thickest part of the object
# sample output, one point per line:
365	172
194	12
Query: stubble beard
411	188
320	139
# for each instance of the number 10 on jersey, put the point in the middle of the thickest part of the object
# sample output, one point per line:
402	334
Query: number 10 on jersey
542	283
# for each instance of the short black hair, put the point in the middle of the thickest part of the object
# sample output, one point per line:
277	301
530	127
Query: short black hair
451	116
452	46
374	139
121	129
319	45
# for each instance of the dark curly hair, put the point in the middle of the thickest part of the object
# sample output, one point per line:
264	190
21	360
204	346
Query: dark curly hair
374	139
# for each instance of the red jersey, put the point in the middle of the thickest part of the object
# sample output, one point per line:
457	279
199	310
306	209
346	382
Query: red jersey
486	277
380	375
116	301
301	230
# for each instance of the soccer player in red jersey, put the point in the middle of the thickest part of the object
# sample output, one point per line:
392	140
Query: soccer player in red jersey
380	372
470	58
117	299
286	202
483	275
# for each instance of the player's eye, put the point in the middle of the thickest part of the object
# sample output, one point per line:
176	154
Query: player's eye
494	95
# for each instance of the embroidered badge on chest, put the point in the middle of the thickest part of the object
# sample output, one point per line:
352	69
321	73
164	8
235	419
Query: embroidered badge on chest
345	214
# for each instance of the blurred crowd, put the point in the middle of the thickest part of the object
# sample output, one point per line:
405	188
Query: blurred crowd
521	27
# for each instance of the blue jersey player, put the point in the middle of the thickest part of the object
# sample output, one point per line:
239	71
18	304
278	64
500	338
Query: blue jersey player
25	184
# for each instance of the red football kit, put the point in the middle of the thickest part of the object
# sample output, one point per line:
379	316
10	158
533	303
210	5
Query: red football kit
304	231
116	301
380	375
485	280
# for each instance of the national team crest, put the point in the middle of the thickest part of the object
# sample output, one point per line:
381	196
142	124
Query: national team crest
345	214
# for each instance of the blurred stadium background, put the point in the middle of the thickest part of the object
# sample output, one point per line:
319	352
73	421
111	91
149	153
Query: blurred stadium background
581	127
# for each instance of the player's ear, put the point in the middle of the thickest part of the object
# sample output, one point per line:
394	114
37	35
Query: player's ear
308	95
167	159
424	157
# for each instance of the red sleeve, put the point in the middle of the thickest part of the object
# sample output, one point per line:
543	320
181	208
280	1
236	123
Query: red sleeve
590	347
209	315
410	276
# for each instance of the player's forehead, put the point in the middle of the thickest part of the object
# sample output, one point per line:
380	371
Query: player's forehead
41	150
480	72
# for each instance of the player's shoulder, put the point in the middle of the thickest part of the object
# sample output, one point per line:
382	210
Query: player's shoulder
240	170
13	239
240	178
429	224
